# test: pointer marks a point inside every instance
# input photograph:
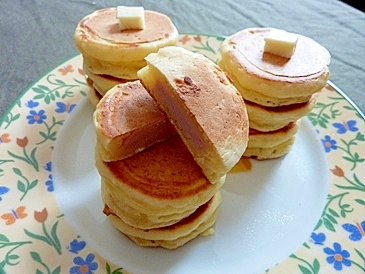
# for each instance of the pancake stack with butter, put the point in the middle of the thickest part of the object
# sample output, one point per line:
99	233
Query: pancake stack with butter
113	53
279	75
163	162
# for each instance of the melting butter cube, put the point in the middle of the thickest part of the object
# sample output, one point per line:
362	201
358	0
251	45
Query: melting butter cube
280	42
130	17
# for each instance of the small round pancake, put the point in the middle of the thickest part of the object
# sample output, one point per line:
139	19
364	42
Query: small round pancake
306	72
121	208
266	153
98	35
174	235
273	118
124	70
270	139
103	82
261	99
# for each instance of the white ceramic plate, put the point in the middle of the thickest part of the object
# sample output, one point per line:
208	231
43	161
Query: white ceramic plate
301	213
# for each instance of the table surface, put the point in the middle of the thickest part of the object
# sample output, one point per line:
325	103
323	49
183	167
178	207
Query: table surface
36	36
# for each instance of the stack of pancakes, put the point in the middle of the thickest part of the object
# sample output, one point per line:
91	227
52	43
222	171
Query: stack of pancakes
112	56
278	91
163	160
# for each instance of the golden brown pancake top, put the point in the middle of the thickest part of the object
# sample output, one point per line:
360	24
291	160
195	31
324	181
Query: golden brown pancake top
166	170
104	24
309	57
127	107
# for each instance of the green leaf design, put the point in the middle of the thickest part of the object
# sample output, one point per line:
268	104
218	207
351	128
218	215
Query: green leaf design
13	257
36	257
54	235
334	213
57	270
17	171
327	223
33	184
360	201
21	187
3	238
36	236
316	266
331	219
304	270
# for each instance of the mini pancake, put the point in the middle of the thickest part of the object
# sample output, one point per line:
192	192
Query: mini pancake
264	100
272	144
103	82
158	184
305	73
124	70
98	35
127	120
273	138
178	234
206	109
267	153
273	118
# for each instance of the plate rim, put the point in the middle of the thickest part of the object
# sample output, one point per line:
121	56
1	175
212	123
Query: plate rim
28	89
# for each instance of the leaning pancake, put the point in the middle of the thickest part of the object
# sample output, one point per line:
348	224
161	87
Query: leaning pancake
127	120
272	144
102	82
273	118
157	184
98	35
306	72
173	236
206	109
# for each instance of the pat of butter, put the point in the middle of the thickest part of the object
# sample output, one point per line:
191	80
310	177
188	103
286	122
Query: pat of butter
130	17
280	42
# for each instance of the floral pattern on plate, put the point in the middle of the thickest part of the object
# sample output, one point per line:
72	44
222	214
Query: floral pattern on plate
36	237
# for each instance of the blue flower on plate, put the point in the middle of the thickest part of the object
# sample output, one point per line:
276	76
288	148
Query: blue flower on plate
84	266
337	256
329	143
319	238
76	246
48	166
3	190
31	104
62	107
36	117
345	126
49	183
